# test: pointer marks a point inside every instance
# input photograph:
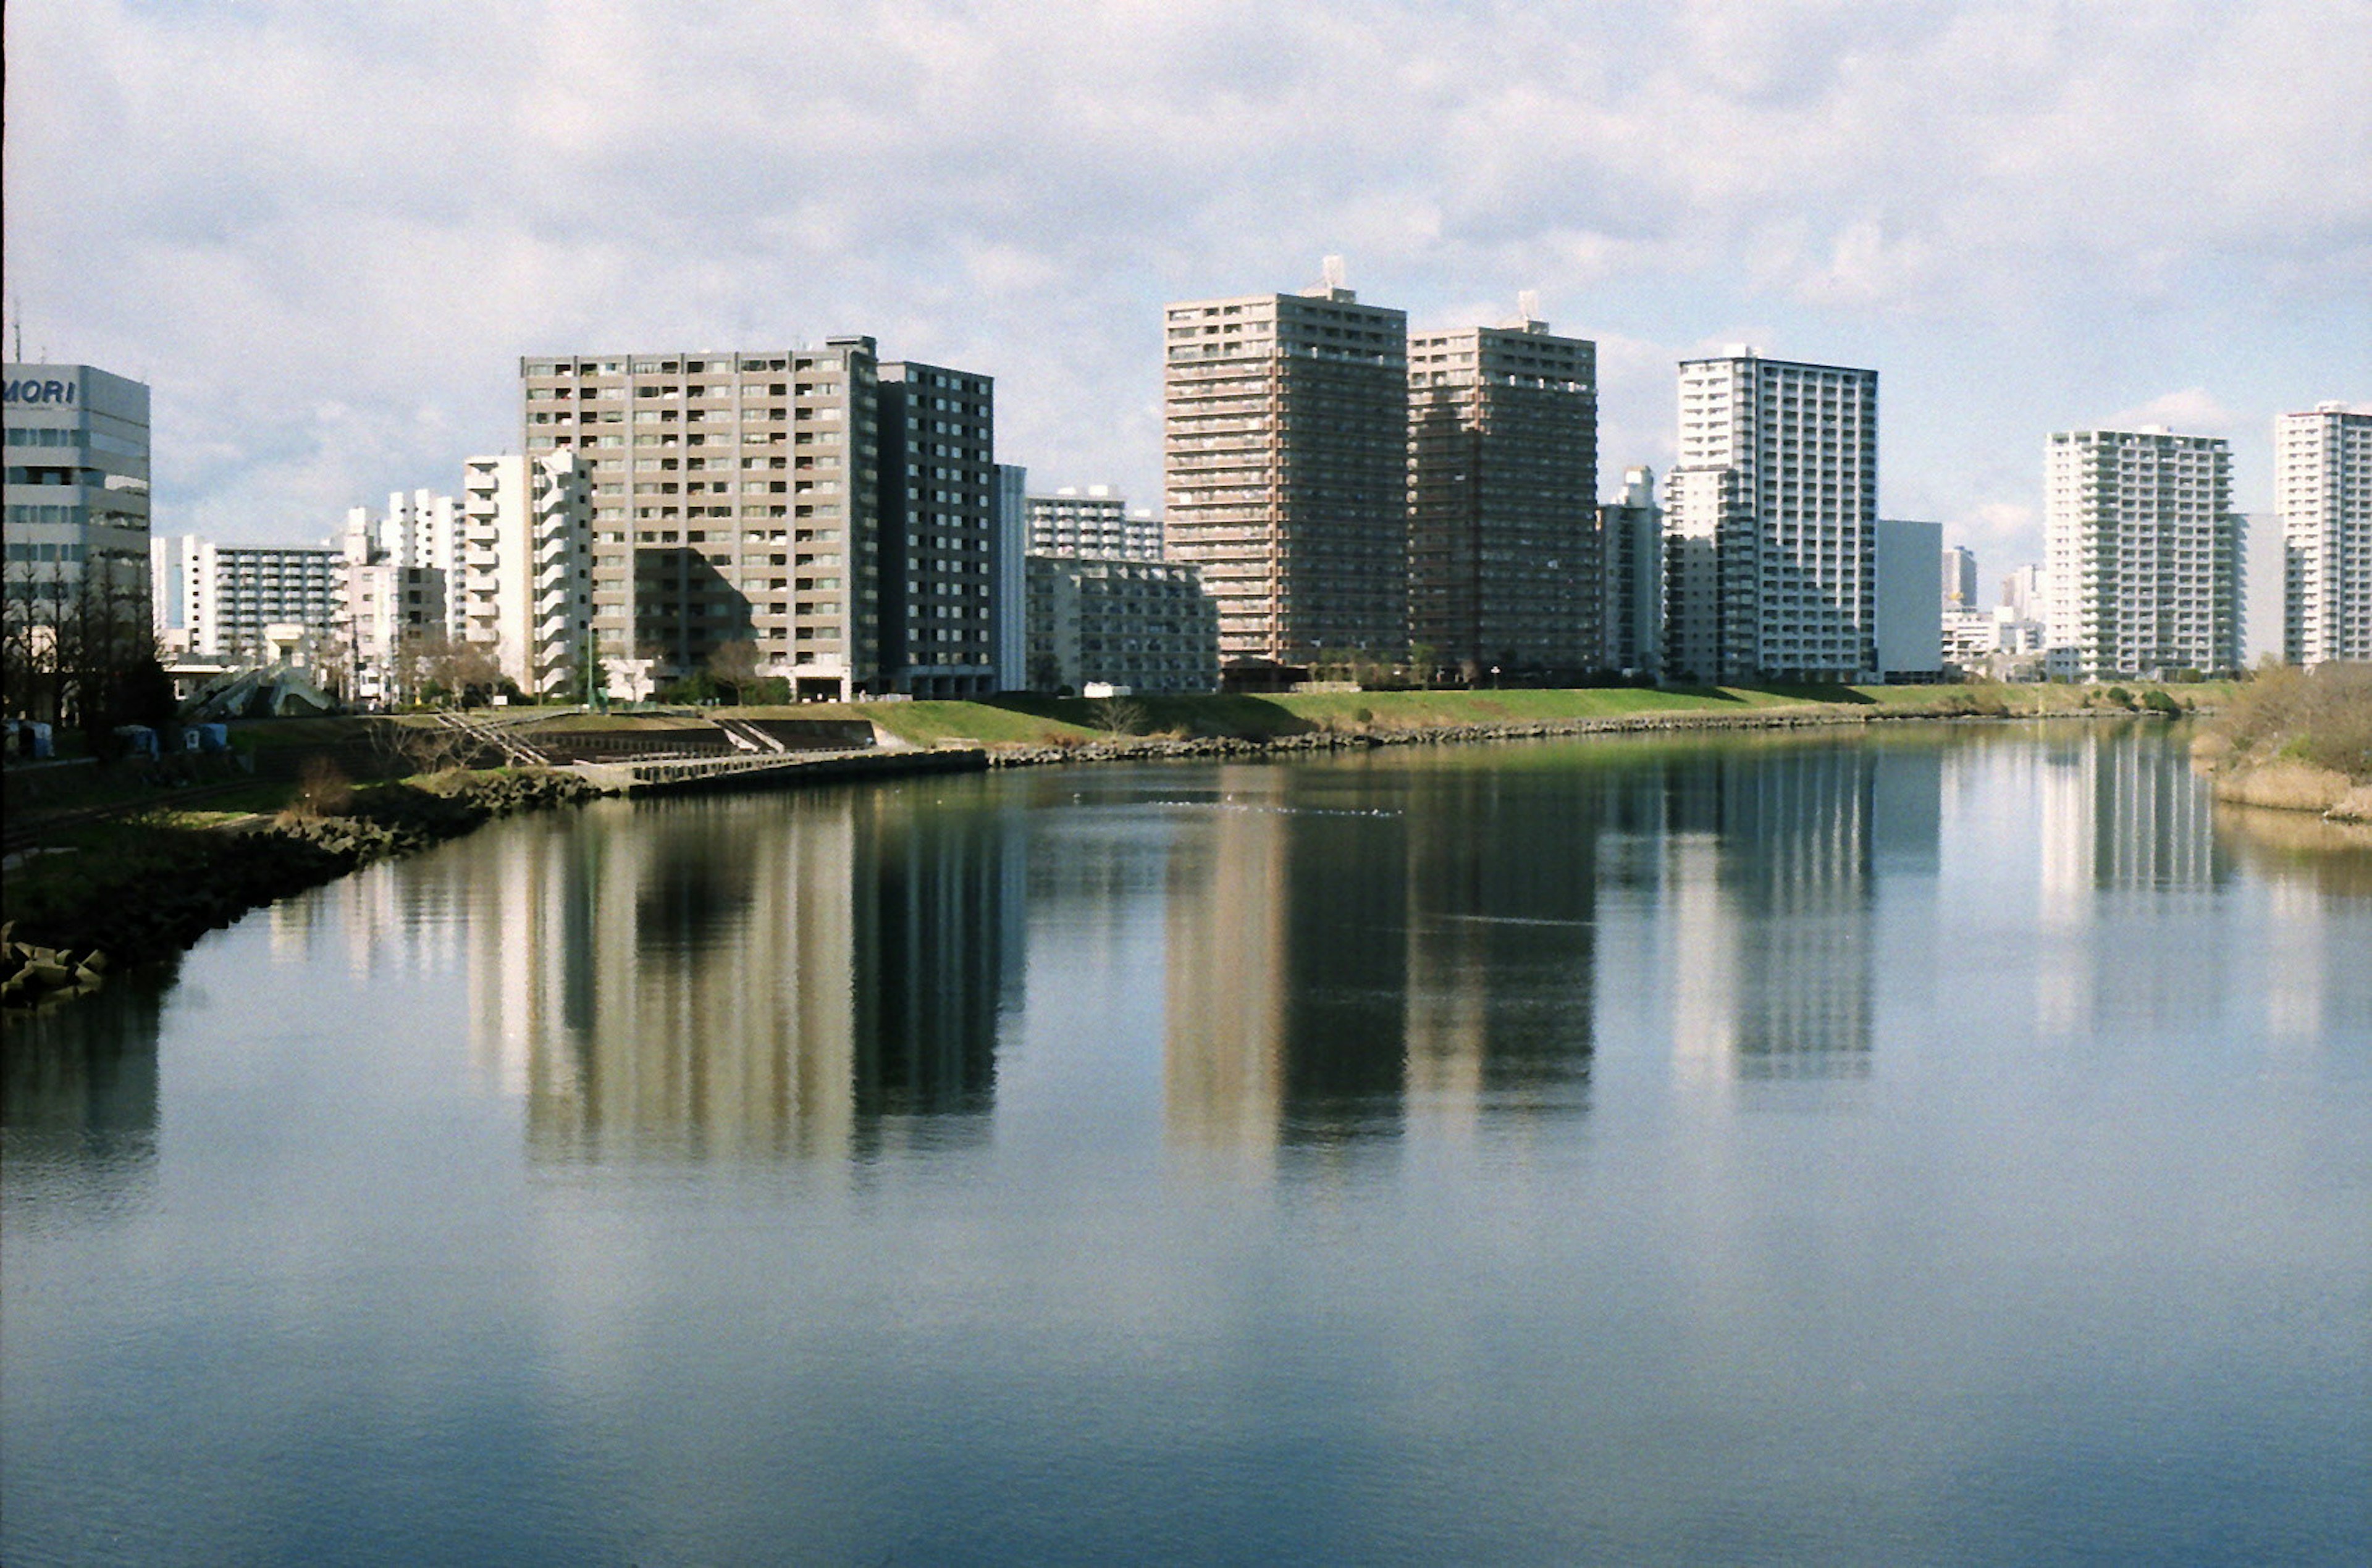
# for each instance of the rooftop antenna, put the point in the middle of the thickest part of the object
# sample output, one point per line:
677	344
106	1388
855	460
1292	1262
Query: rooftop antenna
1332	272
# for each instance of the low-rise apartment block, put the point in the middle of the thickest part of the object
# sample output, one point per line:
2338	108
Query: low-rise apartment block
1123	621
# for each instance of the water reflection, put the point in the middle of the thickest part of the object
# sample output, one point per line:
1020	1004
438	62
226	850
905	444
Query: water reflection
1346	949
788	978
1350	946
78	1107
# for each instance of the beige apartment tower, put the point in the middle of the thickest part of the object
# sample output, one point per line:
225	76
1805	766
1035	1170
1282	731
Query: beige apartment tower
734	500
1503	568
1285	465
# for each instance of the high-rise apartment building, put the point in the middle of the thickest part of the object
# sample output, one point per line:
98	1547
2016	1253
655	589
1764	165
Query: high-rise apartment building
735	499
1286	468
1097	521
76	528
2323	490
1771	522
2144	553
1631	540
1503	568
938	530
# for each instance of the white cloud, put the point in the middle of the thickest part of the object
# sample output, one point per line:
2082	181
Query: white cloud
2194	411
269	208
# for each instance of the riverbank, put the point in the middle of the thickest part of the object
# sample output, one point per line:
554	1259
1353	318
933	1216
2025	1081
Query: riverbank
137	890
2296	740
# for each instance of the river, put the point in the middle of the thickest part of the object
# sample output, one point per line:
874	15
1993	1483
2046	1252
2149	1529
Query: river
1948	1144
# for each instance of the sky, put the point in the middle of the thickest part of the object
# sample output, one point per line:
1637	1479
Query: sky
325	232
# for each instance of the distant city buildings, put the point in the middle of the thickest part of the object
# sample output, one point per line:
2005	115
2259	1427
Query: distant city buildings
2144	553
1631	550
1961	579
1504	563
1096	521
2323	491
1285	469
1771	522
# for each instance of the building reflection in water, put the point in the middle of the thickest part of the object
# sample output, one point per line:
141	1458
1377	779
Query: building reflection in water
1348	949
78	1104
1768	881
799	975
2123	816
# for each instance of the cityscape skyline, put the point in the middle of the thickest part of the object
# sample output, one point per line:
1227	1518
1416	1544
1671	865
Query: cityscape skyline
329	303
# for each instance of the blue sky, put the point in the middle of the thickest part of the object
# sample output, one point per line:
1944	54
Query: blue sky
325	231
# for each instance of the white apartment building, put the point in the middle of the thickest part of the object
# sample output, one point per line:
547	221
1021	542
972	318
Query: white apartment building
77	534
2322	491
1771	522
1122	620
1631	535
524	577
222	597
1094	521
1503	567
2144	553
388	613
1285	469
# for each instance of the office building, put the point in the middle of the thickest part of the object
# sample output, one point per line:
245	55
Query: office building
2144	553
76	536
1771	522
1960	579
938	530
1096	521
1909	619
1121	621
2323	490
1631	543
221	598
1285	469
1503	571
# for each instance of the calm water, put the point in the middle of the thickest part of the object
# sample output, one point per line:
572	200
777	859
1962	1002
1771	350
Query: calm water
1947	1146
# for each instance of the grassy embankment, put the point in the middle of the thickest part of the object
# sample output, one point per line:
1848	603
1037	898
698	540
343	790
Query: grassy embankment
1072	721
2296	740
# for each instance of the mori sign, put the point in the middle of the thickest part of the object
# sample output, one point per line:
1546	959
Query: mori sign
30	390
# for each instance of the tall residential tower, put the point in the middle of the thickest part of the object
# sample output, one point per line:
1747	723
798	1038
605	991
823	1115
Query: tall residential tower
2322	488
1285	460
1503	554
2144	551
1771	522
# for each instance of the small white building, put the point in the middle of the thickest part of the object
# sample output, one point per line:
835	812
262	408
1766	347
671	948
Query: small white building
1146	625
